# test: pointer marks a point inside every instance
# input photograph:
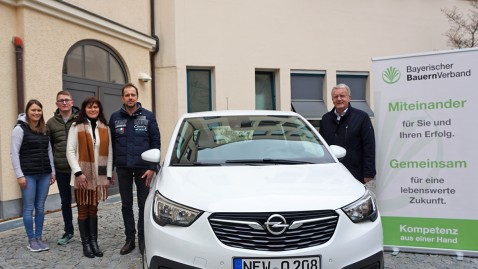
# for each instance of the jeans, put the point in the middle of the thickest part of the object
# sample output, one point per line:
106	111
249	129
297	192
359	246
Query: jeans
63	182
126	177
34	197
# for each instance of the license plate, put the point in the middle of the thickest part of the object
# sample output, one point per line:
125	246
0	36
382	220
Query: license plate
277	263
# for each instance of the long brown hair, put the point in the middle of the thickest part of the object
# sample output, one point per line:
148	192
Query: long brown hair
82	118
40	127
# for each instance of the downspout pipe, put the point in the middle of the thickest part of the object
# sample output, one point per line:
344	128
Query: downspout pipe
18	43
152	56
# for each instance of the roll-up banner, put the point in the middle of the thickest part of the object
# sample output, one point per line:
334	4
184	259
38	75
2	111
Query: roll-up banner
426	122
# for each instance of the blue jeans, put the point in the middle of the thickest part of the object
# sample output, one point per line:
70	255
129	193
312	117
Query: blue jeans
126	177
34	197
63	182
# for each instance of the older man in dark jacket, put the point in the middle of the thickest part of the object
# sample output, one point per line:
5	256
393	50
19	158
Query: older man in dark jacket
351	129
134	130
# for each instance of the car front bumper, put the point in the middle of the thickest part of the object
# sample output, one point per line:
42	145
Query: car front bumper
352	246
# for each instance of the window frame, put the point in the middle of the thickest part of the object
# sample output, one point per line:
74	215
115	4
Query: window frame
188	89
303	103
361	104
272	77
111	54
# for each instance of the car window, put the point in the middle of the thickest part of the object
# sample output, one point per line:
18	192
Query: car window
233	139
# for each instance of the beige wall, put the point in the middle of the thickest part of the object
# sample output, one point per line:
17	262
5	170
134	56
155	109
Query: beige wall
167	73
235	38
133	14
8	108
44	56
46	42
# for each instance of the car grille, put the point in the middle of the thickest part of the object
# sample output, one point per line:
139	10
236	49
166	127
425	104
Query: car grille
248	230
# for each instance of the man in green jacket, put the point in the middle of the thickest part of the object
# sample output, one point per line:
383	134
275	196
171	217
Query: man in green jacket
59	125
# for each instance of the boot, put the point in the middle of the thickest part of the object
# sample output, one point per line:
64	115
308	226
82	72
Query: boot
93	222
128	246
85	238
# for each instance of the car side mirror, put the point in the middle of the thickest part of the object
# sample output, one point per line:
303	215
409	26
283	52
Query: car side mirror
152	156
338	151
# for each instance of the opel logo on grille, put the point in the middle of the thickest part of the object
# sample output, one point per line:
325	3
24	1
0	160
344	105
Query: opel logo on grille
276	224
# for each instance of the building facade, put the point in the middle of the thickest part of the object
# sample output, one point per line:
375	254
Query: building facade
201	55
47	46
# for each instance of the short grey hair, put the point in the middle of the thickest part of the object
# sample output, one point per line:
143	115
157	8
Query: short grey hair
342	86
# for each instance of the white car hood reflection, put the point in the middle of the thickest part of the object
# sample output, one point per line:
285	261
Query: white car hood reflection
265	188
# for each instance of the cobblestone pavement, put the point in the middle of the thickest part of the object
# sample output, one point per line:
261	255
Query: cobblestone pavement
428	261
15	254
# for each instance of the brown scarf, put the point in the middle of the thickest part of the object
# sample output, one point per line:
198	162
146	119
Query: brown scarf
97	184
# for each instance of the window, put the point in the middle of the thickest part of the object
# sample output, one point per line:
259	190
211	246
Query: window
94	61
246	139
199	90
92	68
265	91
307	91
357	83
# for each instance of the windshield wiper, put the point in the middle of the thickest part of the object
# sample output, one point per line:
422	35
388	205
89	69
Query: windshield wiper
196	164
268	161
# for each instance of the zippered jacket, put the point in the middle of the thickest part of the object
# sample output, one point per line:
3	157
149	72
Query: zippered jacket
131	135
354	132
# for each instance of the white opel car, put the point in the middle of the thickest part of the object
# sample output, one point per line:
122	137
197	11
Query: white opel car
257	190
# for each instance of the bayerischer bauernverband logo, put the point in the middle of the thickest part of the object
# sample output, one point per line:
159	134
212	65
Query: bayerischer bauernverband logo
391	75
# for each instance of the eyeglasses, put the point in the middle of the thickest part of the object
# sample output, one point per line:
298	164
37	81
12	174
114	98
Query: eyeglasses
63	101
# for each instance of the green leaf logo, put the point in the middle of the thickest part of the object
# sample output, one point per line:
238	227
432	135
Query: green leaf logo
391	75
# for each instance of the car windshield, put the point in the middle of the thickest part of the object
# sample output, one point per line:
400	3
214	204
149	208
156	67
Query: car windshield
247	140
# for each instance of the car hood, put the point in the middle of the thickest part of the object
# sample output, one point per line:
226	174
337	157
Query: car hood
265	188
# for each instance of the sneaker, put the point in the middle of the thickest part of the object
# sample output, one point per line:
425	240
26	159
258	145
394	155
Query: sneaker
33	245
43	245
65	239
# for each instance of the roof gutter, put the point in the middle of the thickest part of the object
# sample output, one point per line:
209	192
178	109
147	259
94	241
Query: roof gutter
18	43
152	56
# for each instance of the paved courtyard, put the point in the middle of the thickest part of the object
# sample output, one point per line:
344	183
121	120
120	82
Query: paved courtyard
14	253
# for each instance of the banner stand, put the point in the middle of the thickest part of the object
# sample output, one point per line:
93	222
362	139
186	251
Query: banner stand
426	109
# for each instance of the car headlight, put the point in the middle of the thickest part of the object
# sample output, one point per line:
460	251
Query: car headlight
168	212
363	209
